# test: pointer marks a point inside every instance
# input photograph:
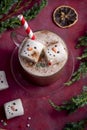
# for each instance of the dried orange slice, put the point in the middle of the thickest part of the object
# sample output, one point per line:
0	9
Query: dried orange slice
65	16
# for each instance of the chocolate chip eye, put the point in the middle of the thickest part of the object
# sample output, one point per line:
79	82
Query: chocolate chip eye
55	45
16	109
54	55
28	45
35	47
14	103
1	81
25	52
58	52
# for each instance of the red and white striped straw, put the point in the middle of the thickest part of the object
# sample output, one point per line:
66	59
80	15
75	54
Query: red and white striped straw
26	26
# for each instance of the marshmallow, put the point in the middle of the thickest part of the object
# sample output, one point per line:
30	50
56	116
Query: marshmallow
55	53
3	81
32	50
13	109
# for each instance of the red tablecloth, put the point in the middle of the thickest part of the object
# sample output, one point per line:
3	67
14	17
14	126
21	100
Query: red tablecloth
35	101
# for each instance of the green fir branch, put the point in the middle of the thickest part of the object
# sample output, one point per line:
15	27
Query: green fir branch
73	104
13	22
6	5
80	125
80	72
82	41
32	13
84	55
18	5
82	69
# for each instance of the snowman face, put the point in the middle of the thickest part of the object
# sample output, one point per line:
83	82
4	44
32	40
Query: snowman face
32	50
13	108
3	81
55	53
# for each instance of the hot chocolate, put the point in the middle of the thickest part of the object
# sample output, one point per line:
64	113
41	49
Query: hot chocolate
50	62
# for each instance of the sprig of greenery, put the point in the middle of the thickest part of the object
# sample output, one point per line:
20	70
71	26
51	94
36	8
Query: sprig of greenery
6	5
80	72
16	9
73	104
84	55
68	106
82	69
80	125
13	22
18	5
32	13
82	41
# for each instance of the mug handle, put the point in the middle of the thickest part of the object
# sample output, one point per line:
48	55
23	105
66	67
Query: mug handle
17	38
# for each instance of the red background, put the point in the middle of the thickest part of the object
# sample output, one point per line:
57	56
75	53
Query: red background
43	117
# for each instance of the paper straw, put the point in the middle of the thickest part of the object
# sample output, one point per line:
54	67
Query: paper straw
26	26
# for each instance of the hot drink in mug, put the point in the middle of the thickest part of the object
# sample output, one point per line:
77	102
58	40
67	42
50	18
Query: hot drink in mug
44	58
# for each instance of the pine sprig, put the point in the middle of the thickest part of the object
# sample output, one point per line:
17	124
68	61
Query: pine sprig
82	41
80	100
84	55
34	10
18	5
82	69
16	9
13	22
73	104
68	106
80	125
80	72
5	6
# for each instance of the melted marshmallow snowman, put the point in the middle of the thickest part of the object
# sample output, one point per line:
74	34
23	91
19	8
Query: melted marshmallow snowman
32	50
13	108
55	53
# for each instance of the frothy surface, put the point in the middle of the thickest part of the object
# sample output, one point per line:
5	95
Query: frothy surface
41	68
